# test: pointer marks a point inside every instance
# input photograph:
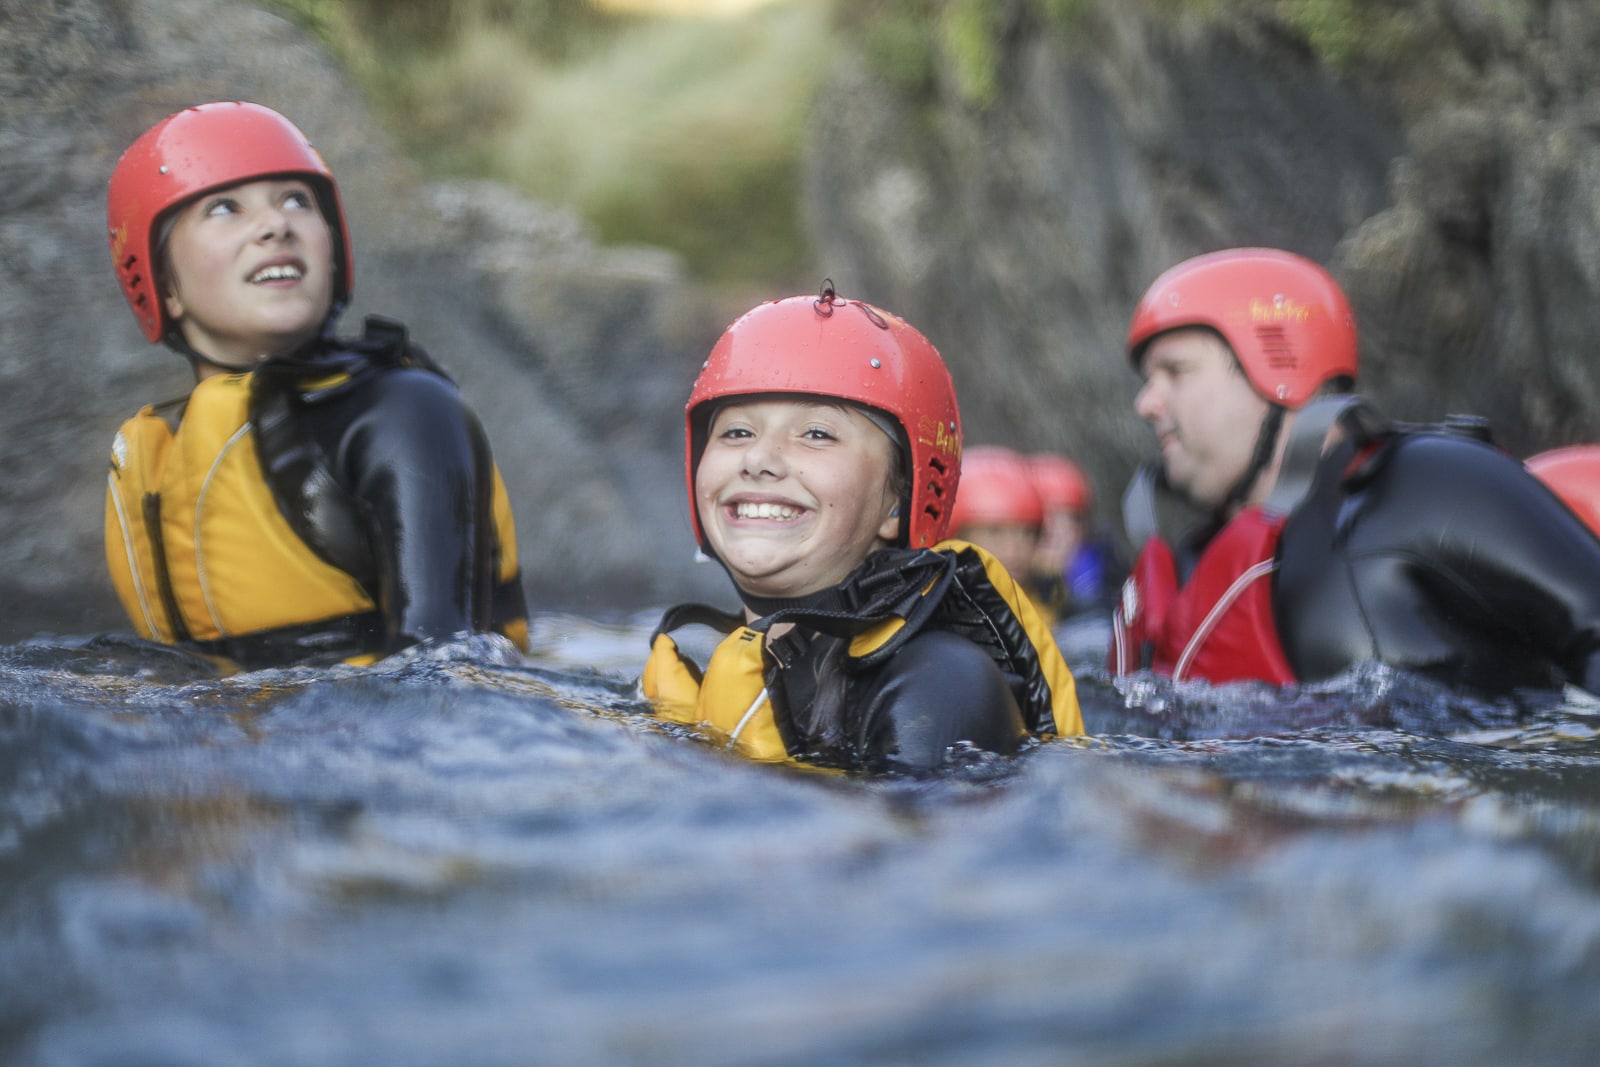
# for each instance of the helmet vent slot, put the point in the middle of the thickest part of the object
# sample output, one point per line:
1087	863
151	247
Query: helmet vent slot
1276	347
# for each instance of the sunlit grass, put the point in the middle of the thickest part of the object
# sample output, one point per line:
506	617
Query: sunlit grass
683	133
687	8
688	132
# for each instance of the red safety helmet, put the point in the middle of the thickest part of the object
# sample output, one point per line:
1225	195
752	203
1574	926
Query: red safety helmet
1573	474
210	146
1060	482
996	490
829	346
1285	318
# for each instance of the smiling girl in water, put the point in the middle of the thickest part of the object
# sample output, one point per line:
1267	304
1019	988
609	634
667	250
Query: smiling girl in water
313	498
823	456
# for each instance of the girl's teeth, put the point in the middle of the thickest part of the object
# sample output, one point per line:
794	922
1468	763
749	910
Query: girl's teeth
765	511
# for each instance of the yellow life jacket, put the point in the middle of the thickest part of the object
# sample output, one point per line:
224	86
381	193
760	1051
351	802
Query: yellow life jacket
198	549
729	699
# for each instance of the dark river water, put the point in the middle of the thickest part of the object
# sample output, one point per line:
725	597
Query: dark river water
470	856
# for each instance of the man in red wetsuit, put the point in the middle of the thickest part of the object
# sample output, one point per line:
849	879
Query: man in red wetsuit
1289	531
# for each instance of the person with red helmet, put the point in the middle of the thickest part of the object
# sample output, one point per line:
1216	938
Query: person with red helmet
1573	474
999	507
312	498
823	456
1076	569
1290	532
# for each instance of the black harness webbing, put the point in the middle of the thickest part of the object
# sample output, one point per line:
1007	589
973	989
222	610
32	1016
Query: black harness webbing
1147	499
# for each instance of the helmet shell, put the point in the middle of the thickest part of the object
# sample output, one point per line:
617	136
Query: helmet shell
1285	318
1573	474
996	490
1061	483
849	350
210	146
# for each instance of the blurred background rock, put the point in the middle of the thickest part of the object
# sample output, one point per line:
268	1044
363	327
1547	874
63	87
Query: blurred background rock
567	201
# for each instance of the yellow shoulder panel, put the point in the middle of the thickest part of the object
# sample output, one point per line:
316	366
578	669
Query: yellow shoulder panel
138	453
730	704
1063	687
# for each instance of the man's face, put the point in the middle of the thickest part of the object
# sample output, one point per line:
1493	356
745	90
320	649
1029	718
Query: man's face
1205	413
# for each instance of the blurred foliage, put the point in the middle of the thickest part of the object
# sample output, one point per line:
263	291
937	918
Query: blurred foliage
1344	34
551	27
687	133
969	37
677	132
316	15
915	42
911	42
894	37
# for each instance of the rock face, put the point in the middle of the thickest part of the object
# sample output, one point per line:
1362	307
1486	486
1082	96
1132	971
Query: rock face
1449	176
577	358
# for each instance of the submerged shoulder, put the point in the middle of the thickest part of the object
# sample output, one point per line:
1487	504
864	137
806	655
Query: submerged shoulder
1453	465
410	385
1447	494
943	653
939	690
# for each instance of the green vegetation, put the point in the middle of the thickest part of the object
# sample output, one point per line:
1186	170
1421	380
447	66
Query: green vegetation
687	133
910	41
683	133
969	33
894	37
1344	32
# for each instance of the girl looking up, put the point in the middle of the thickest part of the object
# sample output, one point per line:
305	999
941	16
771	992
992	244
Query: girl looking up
313	498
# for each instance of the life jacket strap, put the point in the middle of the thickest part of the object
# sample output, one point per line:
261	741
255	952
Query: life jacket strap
151	506
508	602
696	615
1304	450
1148	503
313	643
1139	504
909	584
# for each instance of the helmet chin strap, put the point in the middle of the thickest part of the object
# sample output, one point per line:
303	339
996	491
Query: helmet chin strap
196	358
176	341
1151	506
1266	445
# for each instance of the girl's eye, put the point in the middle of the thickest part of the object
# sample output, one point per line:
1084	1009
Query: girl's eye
221	206
299	198
733	433
817	433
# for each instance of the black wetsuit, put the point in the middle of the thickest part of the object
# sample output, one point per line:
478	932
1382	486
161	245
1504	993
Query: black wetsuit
386	473
902	715
1440	554
916	651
